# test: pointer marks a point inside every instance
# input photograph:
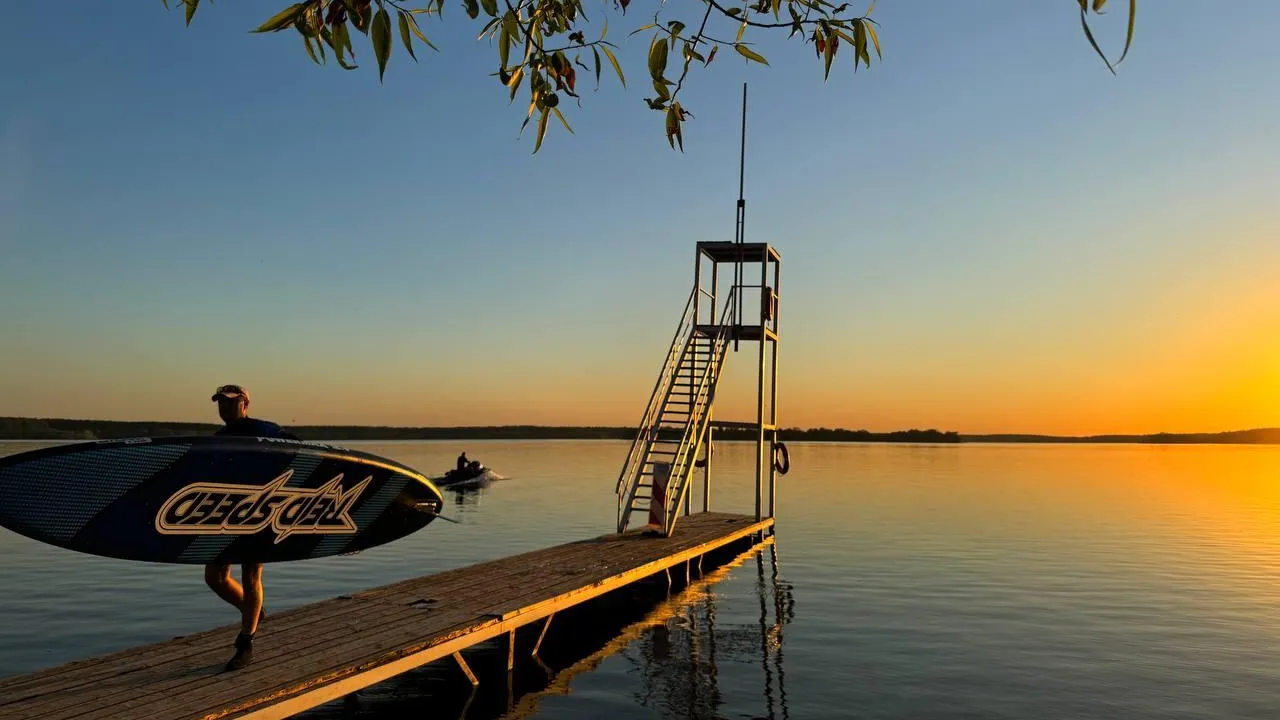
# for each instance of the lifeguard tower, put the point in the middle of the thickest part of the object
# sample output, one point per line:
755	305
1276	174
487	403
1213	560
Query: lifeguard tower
679	421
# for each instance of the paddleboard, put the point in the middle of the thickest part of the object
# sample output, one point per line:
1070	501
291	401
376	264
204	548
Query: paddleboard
198	499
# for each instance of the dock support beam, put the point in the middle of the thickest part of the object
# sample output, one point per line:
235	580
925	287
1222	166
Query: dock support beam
466	669
542	635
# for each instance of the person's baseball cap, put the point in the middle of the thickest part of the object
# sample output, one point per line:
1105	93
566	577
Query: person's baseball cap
230	391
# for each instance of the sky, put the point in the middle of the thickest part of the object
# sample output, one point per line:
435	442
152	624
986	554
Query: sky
986	232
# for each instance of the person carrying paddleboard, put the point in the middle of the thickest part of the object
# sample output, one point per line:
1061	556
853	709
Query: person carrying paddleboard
233	408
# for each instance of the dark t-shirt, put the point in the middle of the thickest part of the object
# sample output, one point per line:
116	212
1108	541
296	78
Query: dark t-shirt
253	427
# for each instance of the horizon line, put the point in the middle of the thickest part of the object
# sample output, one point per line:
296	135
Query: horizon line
795	428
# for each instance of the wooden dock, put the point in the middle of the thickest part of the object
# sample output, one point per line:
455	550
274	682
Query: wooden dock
698	590
318	653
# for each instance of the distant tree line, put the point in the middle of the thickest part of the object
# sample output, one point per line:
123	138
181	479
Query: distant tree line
1256	436
18	428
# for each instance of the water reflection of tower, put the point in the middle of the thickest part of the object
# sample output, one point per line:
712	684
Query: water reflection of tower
679	661
771	633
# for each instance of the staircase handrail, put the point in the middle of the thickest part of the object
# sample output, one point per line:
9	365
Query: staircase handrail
665	374
700	398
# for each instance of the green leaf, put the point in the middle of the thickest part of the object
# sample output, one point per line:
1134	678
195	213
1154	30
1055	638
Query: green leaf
673	127
279	21
742	29
675	26
733	11
514	82
563	121
1084	22
542	129
777	6
614	61
661	89
596	53
1128	39
473	8
829	54
691	54
750	54
341	41
657	58
413	25
860	43
489	28
1097	5
490	7
504	42
191	8
381	39
404	33
310	50
875	39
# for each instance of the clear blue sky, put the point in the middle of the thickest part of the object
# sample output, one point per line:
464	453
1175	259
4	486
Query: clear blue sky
987	231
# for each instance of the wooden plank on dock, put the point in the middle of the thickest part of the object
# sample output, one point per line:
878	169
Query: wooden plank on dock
317	653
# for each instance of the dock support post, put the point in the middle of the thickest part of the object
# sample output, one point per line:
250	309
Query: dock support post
511	650
466	669
773	386
760	458
706	471
542	635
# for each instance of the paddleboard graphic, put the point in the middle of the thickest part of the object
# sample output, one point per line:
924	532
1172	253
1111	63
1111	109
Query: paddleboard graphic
197	499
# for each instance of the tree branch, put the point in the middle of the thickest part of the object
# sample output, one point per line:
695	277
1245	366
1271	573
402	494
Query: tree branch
688	60
805	21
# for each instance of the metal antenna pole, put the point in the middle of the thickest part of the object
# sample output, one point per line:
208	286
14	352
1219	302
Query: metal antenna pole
740	228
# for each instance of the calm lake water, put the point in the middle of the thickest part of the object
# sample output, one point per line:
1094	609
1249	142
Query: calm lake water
974	581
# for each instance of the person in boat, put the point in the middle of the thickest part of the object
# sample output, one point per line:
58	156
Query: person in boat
462	462
233	408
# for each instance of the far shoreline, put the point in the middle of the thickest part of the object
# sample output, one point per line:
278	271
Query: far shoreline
24	428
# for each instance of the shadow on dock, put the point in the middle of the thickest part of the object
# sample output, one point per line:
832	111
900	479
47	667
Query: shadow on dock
667	635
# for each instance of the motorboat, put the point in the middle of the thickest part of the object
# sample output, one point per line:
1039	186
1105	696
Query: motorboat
473	473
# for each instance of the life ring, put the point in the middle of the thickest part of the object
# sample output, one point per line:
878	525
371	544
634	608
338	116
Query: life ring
784	466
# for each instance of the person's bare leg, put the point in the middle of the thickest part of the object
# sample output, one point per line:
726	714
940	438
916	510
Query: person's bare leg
250	611
218	578
250	614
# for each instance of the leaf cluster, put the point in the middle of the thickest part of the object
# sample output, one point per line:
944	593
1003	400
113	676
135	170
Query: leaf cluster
540	43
